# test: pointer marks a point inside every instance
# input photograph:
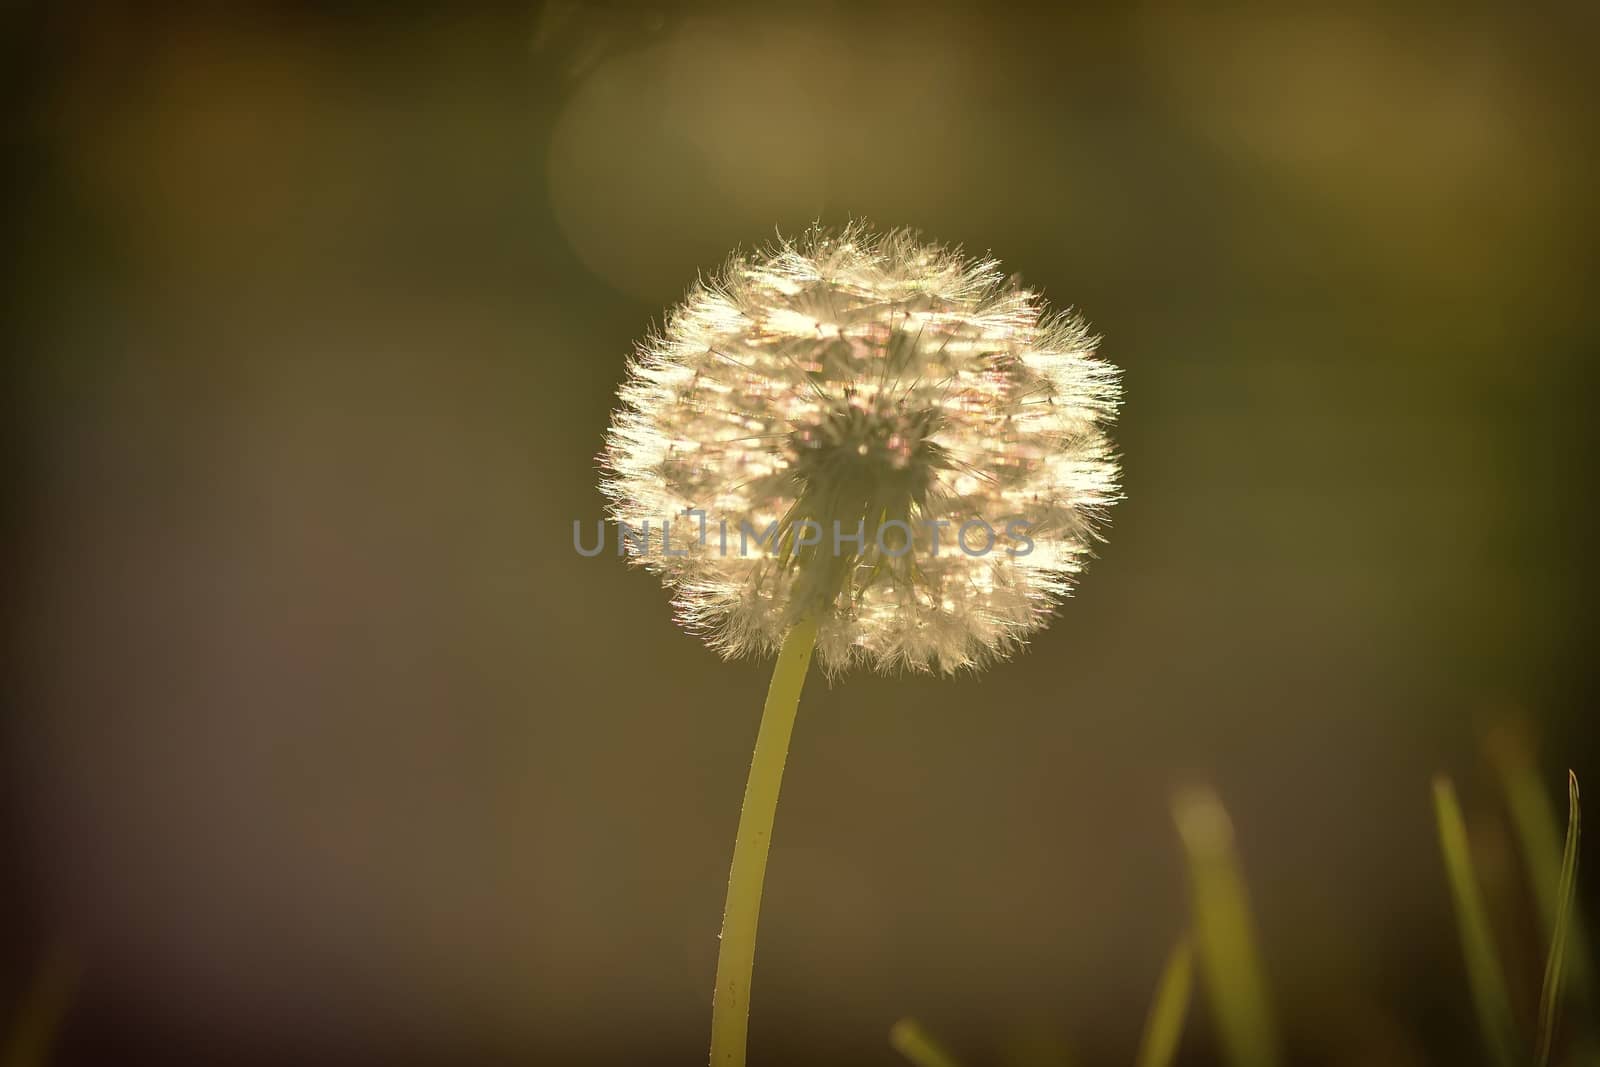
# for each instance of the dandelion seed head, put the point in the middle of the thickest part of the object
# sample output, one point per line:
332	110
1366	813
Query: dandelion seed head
881	387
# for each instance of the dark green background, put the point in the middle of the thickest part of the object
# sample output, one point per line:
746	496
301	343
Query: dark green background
332	750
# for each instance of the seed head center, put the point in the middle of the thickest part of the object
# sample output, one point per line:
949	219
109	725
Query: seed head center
871	447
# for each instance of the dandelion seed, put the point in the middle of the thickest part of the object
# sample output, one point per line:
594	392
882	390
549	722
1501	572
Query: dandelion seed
889	392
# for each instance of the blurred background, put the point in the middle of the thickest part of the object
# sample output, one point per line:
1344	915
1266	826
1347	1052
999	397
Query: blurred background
330	750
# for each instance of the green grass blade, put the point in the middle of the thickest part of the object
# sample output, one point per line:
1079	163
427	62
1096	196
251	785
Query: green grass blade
1484	973
1539	836
908	1038
1555	965
1223	935
1164	1025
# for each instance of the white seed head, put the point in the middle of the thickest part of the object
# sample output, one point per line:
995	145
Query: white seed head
877	386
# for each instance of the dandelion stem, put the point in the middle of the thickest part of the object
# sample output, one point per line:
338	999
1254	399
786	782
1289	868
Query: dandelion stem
730	1004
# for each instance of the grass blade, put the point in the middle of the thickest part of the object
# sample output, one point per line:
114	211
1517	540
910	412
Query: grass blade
1539	837
1223	935
1555	965
908	1038
1484	973
1164	1025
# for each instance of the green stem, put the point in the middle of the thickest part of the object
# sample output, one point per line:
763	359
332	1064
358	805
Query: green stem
730	1004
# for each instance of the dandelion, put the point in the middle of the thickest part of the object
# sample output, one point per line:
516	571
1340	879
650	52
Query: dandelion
882	394
867	446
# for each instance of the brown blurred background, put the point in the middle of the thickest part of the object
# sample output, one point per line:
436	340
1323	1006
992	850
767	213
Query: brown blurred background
331	750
